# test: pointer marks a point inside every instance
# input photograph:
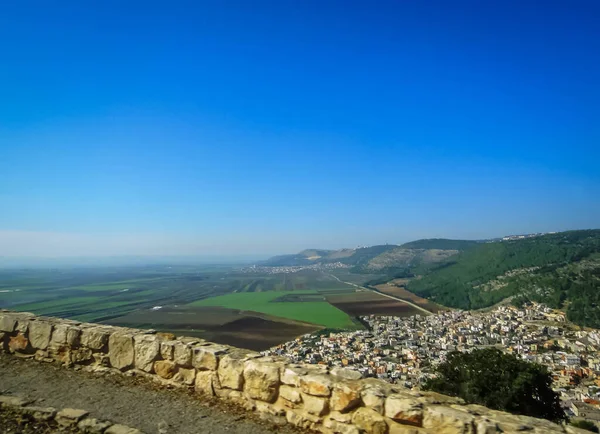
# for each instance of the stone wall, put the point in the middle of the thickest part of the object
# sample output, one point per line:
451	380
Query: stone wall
312	397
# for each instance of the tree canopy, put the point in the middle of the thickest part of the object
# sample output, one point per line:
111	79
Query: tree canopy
500	381
542	268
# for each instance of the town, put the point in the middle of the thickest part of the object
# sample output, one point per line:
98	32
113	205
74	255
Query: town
292	268
405	350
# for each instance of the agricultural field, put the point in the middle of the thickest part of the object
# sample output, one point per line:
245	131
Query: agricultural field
309	307
369	303
397	288
229	305
227	326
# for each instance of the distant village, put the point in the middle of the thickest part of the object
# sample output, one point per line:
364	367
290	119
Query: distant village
293	269
404	350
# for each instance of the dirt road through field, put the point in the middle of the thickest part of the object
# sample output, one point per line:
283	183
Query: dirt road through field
416	306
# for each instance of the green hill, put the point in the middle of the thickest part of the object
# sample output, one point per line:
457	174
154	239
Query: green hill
353	257
561	269
382	259
440	244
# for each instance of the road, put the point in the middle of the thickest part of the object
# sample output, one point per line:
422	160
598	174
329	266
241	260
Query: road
416	306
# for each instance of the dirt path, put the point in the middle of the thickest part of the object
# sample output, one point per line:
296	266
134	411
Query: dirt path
131	401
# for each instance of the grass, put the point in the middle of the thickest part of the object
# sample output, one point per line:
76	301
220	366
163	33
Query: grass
315	312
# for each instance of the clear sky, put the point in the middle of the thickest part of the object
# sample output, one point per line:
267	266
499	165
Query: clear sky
258	127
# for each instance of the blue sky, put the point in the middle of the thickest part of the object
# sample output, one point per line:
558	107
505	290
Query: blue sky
238	127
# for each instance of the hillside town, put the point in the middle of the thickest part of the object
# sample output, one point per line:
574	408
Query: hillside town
293	268
405	350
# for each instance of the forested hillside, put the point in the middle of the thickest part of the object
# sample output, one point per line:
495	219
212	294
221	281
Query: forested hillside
561	269
440	244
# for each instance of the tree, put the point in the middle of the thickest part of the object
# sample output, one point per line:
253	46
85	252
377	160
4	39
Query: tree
500	381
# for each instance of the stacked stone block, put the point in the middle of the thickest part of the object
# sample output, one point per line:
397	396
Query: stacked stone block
311	397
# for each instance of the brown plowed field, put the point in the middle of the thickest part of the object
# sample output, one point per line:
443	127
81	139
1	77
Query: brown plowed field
251	330
369	303
256	333
396	288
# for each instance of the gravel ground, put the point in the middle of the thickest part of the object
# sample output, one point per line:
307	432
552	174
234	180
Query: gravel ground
131	401
13	423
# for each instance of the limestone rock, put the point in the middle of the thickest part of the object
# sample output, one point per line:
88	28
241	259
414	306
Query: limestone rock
95	338
436	417
12	401
147	348
65	334
404	409
120	350
345	395
165	336
100	359
40	413
231	370
190	341
167	349
60	353
39	334
18	343
42	355
70	416
346	374
289	393
204	382
22	326
93	426
165	369
261	380
207	356
369	421
122	429
316	384
8	323
182	354
374	397
81	355
340	417
429	397
396	428
233	396
73	336
291	375
301	420
540	425
315	405
265	407
185	376
486	427
163	427
270	413
340	428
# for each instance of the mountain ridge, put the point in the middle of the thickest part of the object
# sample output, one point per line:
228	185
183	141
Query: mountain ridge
376	257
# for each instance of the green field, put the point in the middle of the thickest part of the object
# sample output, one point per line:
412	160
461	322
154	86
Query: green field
316	312
106	294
